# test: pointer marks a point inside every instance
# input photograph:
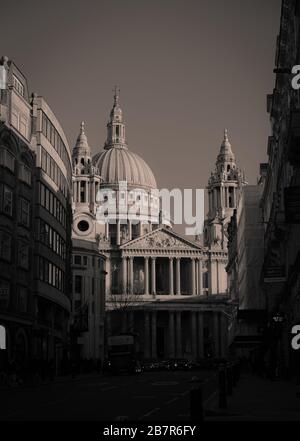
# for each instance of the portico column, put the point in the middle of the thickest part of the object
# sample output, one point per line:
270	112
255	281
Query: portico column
178	335
171	276
87	191
147	335
108	276
200	277
118	232
140	228
93	195
131	275
194	333
153	334
178	290
107	229
216	336
78	190
171	335
146	275
124	274
200	335
129	229
193	277
153	275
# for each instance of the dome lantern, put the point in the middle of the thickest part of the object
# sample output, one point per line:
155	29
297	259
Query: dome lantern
116	125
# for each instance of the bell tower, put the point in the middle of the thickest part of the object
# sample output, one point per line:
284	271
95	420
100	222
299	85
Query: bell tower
86	180
223	188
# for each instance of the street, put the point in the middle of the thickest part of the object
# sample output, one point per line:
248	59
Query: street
150	396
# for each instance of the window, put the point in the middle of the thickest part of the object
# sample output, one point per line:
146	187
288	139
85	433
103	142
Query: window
85	260
18	86
4	294
78	284
5	246
24	213
22	299
7	159
25	174
83	225
77	260
23	255
7	201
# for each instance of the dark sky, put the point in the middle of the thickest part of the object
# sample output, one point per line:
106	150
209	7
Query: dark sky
186	70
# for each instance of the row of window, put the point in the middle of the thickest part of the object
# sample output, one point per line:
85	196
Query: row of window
51	274
102	196
51	168
6	250
7	205
49	237
50	202
18	86
83	260
50	132
7	159
21	301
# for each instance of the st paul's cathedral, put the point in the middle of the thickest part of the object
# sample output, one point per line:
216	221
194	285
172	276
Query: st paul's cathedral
138	275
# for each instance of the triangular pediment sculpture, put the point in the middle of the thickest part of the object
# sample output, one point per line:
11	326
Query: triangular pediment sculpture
162	238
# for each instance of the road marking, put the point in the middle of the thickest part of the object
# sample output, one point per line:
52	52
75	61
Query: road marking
183	394
149	413
171	400
210	398
108	388
165	383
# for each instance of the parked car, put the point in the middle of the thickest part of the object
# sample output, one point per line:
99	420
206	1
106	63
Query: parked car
150	365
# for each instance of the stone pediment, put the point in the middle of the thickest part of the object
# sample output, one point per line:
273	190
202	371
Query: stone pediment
161	238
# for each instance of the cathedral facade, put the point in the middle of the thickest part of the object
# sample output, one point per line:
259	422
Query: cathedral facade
132	273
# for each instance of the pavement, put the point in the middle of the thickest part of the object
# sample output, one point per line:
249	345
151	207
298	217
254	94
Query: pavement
259	399
149	396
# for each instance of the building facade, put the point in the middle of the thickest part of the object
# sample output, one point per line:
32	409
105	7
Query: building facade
280	271
245	259
168	291
35	219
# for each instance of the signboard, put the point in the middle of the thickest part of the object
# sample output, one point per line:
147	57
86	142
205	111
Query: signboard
292	205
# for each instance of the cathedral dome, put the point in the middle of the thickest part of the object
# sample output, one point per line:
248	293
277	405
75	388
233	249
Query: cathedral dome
116	163
120	164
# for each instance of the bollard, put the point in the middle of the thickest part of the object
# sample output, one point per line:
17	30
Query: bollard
196	405
222	387
229	379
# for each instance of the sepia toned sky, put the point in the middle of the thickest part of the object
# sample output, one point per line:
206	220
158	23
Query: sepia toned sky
186	70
